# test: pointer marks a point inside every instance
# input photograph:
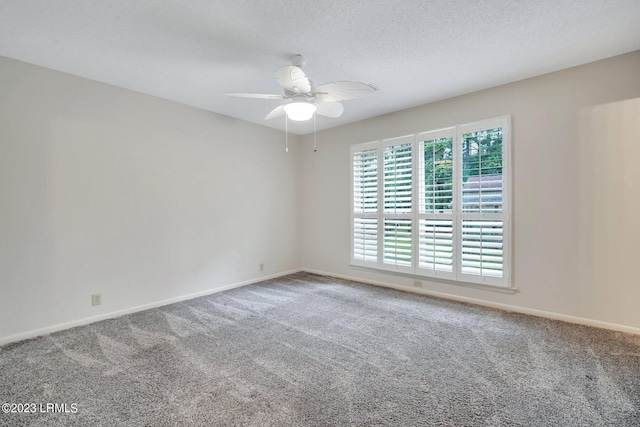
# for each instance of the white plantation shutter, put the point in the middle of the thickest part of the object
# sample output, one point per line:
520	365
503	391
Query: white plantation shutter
436	246
436	225
365	205
482	193
365	239
398	204
435	204
482	171
398	178
482	248
397	242
436	171
365	181
484	202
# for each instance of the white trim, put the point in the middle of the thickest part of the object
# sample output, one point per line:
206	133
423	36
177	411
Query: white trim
441	278
504	307
507	207
415	204
457	216
111	315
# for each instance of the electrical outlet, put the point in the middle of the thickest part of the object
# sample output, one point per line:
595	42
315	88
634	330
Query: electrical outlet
261	267
96	299
417	283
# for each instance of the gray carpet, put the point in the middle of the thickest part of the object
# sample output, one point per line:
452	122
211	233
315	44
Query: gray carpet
306	350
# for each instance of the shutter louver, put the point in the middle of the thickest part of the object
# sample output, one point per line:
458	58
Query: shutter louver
365	181
436	244
365	239
397	242
398	178
482	247
482	171
436	175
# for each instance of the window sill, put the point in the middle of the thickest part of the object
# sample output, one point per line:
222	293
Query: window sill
491	288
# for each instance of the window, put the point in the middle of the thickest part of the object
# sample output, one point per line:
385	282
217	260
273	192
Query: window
435	211
397	184
435	204
365	205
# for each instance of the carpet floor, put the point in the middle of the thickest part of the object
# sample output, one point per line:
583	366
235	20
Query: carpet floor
308	350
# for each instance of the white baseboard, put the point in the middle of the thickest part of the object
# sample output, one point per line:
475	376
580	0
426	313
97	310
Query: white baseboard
499	306
506	307
113	314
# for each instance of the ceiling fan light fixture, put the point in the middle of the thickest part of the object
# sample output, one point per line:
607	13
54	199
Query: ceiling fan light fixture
304	101
300	110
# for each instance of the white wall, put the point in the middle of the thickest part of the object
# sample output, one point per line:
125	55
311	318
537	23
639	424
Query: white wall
104	190
575	232
609	202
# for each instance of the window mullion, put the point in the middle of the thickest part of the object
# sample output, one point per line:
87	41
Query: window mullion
415	204
456	203
380	211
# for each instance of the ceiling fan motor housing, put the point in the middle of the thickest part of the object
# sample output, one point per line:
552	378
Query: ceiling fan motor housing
298	60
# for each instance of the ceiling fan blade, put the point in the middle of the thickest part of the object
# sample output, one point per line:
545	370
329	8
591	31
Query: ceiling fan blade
329	109
342	91
293	79
276	112
255	95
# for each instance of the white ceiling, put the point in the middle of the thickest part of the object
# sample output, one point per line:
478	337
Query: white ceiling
414	51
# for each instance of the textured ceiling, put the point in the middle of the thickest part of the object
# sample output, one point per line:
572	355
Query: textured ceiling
414	51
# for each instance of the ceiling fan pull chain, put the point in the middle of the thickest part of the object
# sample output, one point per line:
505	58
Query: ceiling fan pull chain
315	144
286	134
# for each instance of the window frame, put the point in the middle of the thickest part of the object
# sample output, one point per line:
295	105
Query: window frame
420	139
455	215
394	215
370	146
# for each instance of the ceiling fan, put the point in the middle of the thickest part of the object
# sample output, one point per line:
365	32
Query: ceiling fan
304	98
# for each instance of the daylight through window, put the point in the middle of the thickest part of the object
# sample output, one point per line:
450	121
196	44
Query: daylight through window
435	204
